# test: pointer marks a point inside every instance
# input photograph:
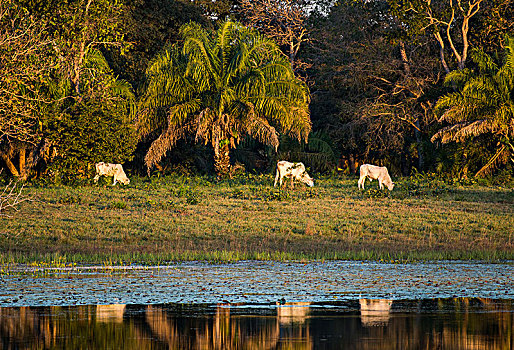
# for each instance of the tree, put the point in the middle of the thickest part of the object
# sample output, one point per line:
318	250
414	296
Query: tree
97	109
219	10
91	131
26	60
82	27
491	24
80	86
373	89
147	25
220	87
482	107
77	28
95	126
282	20
441	20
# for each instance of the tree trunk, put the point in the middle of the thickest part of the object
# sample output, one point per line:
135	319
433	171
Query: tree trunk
22	162
354	164
222	161
405	59
441	52
10	165
27	159
419	140
416	124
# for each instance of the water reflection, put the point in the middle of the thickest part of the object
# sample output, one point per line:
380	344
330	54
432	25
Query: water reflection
375	312
294	312
464	323
110	313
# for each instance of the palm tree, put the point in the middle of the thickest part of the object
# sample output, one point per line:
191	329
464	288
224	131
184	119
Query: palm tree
220	87
482	106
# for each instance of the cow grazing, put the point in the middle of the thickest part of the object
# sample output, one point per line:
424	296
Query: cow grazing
295	171
374	172
109	169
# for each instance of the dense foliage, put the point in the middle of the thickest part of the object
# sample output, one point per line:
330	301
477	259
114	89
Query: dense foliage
89	133
387	81
483	106
221	87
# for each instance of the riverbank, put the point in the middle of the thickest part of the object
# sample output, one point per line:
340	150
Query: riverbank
181	218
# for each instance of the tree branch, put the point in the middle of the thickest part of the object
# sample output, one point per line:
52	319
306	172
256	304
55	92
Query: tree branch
11	197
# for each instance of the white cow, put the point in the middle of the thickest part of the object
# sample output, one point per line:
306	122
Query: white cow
109	169
295	171
379	173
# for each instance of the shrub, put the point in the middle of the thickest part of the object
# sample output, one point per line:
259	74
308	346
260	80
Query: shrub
191	194
423	184
86	134
118	205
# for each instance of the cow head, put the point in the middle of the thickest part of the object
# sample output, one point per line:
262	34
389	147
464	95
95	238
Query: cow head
125	180
390	185
306	179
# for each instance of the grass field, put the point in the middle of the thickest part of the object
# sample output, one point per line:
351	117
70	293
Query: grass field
180	218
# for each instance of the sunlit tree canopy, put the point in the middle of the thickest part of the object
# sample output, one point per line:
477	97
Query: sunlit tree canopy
219	87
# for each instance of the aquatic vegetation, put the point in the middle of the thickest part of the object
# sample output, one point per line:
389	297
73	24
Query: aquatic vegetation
259	281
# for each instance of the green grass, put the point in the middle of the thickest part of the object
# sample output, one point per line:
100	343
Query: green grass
167	219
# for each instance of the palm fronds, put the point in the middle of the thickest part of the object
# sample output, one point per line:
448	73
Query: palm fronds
483	105
223	86
463	131
500	157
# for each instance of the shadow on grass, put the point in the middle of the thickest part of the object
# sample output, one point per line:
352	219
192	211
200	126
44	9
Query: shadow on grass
479	195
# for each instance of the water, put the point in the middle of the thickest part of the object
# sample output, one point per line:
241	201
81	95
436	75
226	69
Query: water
464	323
261	305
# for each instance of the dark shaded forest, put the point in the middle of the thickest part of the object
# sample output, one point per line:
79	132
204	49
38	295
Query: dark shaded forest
213	87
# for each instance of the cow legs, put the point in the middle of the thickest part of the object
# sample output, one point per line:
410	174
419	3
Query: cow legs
96	178
362	179
380	184
277	177
115	181
280	180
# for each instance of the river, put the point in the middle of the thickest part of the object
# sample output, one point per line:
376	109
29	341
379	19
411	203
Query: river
258	305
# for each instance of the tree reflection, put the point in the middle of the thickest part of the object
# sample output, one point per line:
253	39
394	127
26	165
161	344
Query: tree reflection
367	324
